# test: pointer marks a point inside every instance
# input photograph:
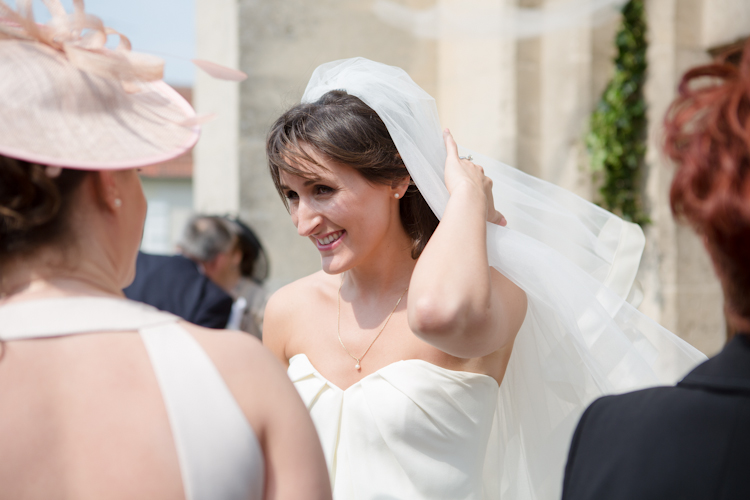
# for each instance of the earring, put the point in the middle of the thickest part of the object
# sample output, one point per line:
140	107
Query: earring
118	202
396	196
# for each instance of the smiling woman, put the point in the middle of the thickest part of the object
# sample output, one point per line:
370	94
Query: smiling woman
450	359
339	209
340	130
384	287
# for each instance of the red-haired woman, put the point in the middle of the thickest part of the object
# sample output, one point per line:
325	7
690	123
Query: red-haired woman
691	441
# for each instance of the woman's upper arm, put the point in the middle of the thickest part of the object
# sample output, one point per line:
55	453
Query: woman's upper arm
498	327
487	327
509	304
295	464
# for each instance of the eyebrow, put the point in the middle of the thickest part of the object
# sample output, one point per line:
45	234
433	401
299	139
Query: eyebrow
305	184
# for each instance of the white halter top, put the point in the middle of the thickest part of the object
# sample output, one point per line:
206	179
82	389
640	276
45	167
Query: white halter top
219	455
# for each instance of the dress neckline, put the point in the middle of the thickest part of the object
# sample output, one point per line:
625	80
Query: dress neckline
60	316
426	364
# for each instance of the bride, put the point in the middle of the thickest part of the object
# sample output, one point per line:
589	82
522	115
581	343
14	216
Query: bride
443	352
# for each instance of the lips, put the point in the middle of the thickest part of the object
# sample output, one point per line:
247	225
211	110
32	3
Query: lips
329	240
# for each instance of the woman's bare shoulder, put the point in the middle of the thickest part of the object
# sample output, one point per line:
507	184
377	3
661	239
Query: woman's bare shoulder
247	367
290	310
311	286
228	349
303	294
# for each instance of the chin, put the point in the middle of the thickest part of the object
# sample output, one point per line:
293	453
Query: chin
334	264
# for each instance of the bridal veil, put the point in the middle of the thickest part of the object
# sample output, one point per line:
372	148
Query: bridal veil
577	264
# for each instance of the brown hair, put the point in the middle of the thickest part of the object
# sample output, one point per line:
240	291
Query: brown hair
33	207
708	136
346	130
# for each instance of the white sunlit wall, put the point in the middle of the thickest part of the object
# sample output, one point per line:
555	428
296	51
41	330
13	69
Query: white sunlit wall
170	204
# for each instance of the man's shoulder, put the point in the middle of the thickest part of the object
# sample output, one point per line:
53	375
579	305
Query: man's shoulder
684	441
614	409
663	442
633	399
710	386
657	403
174	283
154	263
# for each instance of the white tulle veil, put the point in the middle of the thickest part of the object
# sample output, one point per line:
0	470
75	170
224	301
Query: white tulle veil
576	262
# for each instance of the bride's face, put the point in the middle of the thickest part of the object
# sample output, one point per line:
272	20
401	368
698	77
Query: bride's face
346	217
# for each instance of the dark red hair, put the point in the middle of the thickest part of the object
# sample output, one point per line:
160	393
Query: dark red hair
708	137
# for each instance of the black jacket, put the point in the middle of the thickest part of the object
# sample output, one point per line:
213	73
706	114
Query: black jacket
691	441
175	284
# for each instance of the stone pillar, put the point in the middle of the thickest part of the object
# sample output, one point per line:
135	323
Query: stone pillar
476	77
554	103
216	174
658	273
529	100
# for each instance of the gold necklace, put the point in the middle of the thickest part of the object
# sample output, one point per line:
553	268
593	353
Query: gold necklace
358	366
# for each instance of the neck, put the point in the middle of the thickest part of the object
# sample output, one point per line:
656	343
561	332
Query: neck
389	273
45	276
388	268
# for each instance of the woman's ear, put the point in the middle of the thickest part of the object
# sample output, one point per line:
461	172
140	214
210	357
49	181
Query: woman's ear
106	190
400	186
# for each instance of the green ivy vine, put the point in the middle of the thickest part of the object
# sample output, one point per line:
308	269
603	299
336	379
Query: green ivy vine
617	138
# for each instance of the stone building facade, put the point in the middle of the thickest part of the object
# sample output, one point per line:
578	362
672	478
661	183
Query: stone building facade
522	95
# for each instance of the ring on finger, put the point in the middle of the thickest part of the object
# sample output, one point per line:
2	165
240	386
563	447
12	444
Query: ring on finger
465	158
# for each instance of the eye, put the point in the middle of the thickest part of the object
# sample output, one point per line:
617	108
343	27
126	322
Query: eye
322	189
291	195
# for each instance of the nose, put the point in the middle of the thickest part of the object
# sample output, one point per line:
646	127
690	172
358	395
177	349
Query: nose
306	218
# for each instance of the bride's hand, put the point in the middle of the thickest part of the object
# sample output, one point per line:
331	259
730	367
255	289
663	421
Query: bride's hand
460	171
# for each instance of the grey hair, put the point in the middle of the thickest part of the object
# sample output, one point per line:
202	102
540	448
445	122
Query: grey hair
205	237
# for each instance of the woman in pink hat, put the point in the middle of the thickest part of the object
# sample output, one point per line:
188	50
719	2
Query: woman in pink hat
102	397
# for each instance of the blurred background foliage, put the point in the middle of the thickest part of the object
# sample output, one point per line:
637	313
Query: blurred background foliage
617	138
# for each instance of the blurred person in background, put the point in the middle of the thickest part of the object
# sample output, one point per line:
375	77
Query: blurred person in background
176	284
691	441
231	255
103	397
249	293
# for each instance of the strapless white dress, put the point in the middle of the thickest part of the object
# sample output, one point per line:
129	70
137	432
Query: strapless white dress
411	430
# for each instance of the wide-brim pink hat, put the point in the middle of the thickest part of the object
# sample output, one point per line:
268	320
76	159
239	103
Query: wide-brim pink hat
66	100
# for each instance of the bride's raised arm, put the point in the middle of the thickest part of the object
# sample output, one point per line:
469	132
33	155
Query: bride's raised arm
457	302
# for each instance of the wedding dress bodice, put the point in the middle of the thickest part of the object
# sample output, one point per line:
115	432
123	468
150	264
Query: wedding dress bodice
411	430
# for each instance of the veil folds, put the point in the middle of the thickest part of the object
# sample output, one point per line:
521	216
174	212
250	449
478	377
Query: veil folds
577	264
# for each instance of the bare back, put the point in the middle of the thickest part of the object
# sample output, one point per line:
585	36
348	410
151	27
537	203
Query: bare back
84	416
